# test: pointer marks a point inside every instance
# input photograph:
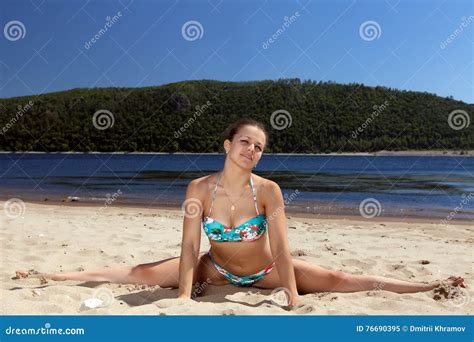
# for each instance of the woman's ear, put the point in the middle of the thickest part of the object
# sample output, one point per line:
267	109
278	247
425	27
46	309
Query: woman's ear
227	144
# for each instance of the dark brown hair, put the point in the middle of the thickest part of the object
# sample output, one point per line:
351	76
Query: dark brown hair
234	127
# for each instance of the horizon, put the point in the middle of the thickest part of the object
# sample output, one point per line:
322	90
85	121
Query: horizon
408	46
243	81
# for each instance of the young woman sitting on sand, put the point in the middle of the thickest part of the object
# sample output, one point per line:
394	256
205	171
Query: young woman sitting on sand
243	216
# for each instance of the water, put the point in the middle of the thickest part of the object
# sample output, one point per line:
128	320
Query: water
402	185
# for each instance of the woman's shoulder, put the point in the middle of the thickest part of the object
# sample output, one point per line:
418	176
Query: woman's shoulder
264	186
204	183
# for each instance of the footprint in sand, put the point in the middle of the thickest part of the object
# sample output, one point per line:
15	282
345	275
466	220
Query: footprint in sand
365	264
32	258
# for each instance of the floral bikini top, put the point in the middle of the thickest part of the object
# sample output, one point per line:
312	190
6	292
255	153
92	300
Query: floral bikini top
250	230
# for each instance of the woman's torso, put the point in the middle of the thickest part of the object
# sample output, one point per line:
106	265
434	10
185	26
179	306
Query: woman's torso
238	257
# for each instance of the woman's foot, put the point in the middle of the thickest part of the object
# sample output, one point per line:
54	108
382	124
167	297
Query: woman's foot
19	274
452	281
448	289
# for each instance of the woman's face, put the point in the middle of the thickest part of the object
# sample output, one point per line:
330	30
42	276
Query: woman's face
246	147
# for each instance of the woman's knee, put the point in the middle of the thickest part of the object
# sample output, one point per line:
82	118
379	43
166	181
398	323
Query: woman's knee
338	276
140	273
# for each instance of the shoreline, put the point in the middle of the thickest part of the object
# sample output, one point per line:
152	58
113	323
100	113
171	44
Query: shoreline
415	153
174	209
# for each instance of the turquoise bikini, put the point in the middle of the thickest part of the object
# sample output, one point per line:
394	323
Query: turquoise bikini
250	230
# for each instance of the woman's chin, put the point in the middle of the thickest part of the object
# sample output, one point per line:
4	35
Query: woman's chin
247	166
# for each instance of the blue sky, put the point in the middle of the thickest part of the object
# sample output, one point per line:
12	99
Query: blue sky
407	47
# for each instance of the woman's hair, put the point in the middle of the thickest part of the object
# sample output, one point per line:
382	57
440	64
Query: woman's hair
234	127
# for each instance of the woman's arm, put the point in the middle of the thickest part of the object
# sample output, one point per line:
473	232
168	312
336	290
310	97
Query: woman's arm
277	230
191	239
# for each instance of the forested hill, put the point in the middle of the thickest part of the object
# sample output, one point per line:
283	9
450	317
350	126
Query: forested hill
189	117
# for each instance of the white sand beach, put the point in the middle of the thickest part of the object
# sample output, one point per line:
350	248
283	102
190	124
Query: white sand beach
70	237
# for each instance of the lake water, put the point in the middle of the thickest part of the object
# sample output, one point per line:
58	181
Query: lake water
401	185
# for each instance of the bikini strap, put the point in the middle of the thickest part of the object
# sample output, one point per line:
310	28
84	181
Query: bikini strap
214	195
254	195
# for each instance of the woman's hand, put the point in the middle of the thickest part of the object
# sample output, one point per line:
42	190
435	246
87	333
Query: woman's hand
294	299
183	296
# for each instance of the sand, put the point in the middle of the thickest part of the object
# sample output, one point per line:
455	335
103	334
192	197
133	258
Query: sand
53	238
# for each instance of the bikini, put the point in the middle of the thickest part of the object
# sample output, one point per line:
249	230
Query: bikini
250	230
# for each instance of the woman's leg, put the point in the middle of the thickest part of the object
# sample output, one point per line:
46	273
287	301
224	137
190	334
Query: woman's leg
312	278
164	273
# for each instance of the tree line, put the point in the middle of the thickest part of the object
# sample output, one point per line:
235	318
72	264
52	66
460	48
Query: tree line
189	116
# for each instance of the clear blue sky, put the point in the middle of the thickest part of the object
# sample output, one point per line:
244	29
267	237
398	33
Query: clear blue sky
146	47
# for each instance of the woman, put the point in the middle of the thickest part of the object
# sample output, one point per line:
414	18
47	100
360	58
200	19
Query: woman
243	216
